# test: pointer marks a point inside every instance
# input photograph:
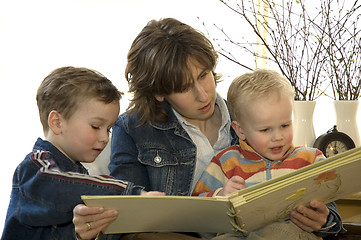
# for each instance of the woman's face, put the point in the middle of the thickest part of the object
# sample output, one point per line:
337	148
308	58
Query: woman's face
198	102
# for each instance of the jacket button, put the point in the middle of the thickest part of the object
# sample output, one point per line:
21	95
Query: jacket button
157	159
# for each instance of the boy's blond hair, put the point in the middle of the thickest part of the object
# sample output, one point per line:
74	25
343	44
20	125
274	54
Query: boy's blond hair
64	88
253	86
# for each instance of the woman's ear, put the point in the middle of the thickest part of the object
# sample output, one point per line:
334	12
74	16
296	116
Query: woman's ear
239	130
159	98
54	122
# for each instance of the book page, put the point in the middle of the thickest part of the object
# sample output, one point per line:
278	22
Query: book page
273	200
165	213
245	210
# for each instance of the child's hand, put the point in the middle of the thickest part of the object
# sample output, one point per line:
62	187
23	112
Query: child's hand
311	218
152	193
89	221
233	184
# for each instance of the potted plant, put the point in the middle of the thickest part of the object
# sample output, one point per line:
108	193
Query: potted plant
295	39
343	46
292	40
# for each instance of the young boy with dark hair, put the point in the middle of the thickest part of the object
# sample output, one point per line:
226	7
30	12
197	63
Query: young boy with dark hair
77	108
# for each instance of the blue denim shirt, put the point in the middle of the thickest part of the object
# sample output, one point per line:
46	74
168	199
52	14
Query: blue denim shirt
47	185
160	157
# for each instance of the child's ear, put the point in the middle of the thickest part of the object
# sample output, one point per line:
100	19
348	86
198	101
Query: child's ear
54	122
239	130
159	98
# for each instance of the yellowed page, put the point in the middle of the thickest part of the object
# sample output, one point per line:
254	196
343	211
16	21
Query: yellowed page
245	210
165	213
273	200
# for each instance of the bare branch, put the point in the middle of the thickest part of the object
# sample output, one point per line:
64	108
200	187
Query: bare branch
313	48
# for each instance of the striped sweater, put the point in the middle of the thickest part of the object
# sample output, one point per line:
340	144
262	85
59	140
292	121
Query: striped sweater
243	161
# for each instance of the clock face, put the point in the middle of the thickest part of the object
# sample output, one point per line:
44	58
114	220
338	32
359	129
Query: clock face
333	142
335	147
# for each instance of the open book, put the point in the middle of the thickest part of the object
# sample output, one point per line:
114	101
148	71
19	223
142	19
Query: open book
245	210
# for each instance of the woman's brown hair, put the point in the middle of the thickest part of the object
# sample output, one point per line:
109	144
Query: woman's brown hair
158	65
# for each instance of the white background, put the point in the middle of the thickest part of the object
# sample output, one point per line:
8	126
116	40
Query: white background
37	36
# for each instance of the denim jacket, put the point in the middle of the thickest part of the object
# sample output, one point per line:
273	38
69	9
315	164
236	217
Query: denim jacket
160	157
47	185
333	225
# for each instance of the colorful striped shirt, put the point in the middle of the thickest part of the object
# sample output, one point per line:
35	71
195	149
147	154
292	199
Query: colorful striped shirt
241	160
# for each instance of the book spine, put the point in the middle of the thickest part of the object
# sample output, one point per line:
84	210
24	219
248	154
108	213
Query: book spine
236	220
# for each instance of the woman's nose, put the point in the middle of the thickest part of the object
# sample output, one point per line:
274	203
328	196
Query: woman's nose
200	92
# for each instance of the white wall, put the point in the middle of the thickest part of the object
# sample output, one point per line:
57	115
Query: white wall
37	36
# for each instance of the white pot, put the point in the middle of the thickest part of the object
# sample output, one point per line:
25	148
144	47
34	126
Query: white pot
346	118
303	130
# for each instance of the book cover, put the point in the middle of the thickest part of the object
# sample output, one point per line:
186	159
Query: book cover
244	210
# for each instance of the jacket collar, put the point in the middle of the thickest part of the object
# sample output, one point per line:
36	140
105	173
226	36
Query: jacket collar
172	119
245	148
54	154
173	123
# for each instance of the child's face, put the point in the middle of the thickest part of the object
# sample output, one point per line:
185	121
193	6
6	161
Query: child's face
267	126
84	136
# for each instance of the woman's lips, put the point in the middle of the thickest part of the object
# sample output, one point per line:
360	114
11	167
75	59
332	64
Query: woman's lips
205	108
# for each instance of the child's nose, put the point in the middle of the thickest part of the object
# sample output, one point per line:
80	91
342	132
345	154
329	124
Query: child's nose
277	135
104	136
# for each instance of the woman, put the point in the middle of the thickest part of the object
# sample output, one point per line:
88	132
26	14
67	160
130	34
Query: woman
176	122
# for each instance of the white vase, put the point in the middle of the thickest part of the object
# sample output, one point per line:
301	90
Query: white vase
303	130
346	119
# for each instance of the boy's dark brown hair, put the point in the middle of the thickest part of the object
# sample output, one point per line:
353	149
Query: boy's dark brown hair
158	65
64	88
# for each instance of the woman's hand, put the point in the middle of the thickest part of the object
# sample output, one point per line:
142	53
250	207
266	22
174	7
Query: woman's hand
311	218
89	221
152	193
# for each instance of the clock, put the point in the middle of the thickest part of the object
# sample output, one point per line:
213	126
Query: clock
333	142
